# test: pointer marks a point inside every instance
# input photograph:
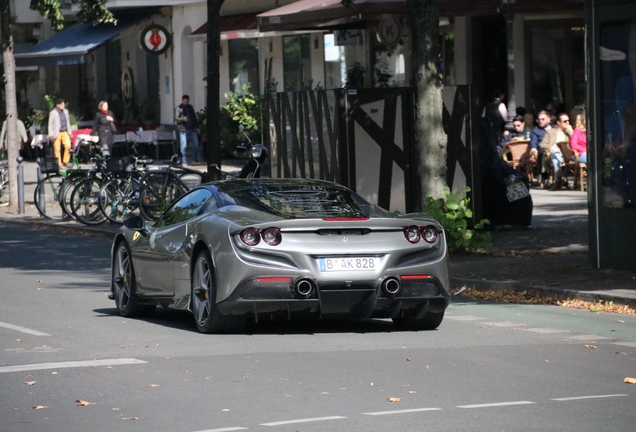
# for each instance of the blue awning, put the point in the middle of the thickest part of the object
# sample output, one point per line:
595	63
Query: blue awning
70	46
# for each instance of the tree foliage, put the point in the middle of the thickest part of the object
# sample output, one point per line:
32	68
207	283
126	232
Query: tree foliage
90	11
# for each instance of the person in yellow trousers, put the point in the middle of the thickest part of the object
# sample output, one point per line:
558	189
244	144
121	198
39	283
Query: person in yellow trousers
60	132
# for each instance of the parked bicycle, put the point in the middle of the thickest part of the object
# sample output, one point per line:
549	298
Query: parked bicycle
119	196
159	188
4	183
110	194
50	188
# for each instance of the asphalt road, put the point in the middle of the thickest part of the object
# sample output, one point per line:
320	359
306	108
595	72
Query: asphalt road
489	367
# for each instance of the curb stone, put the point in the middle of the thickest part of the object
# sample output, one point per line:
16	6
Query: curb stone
560	294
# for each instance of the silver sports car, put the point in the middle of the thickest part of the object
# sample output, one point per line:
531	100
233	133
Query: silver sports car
269	248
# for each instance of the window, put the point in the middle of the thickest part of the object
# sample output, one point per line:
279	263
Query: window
618	114
243	57
187	207
297	63
389	68
558	66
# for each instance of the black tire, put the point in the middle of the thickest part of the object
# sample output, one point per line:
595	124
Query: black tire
206	315
85	202
124	284
157	193
117	199
430	321
46	197
66	190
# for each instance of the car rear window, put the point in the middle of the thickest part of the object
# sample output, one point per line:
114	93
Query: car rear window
301	201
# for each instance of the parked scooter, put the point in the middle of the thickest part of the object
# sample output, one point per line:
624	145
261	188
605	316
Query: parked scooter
256	156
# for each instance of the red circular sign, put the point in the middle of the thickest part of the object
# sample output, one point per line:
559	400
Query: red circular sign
155	39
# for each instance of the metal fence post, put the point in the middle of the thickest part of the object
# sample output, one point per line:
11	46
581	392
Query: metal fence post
20	159
42	198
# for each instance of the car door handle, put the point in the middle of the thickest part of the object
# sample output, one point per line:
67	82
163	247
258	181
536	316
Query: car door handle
172	247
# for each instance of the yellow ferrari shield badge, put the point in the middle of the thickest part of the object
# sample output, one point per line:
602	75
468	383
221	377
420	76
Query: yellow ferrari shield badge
135	235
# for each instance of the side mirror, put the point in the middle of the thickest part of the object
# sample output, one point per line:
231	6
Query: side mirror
136	223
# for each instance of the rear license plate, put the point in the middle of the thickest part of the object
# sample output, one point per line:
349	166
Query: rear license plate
516	191
348	264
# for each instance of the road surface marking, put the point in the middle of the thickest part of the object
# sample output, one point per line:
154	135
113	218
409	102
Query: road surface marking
71	364
405	411
589	397
22	329
464	318
628	344
227	429
546	330
505	324
306	420
498	404
588	337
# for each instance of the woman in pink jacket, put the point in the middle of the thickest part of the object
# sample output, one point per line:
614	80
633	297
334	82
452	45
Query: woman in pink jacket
578	140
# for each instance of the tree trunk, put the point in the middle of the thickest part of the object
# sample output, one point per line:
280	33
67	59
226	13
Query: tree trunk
430	138
213	143
13	146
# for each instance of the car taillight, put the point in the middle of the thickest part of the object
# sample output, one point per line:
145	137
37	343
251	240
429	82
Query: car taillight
412	234
429	234
272	236
250	236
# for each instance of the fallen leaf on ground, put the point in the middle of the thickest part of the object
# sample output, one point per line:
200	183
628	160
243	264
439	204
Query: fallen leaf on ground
153	385
408	359
324	393
53	373
116	409
509	296
38	281
629	380
29	383
38	407
130	418
619	321
412	392
393	399
225	410
590	346
18	340
82	402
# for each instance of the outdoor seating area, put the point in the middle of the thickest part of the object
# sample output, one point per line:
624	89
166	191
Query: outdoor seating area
572	171
158	143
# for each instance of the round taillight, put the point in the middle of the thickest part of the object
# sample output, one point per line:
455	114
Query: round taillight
250	236
412	234
272	236
429	234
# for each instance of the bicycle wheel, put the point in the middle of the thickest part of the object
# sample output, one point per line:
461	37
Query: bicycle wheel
46	197
85	202
66	189
118	198
158	191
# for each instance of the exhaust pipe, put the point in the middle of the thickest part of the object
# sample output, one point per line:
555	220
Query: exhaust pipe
391	286
304	287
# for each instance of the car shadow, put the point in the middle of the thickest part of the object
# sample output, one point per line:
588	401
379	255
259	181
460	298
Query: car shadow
183	320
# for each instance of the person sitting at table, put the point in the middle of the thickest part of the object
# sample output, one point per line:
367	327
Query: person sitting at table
561	133
578	140
519	132
104	127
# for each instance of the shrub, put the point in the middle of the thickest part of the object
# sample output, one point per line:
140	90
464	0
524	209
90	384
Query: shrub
453	213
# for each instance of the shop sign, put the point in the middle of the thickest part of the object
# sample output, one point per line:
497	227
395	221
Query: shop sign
390	31
155	39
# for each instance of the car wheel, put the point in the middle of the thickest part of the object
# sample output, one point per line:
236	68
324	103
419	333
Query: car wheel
125	284
430	321
206	314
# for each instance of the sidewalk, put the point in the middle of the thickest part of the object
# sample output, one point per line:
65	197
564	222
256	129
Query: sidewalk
551	257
